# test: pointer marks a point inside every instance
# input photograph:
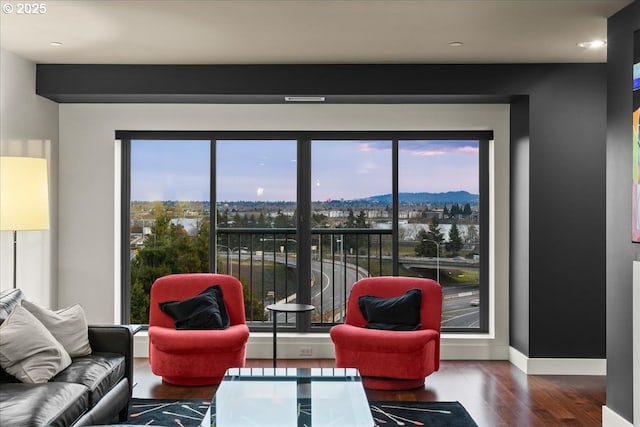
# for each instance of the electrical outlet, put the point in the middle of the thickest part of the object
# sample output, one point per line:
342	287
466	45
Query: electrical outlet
306	351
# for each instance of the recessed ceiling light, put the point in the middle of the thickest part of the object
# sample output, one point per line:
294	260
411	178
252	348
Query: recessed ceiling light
56	44
594	44
455	44
304	98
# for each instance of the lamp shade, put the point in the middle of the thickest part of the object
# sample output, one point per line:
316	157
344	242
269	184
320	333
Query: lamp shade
24	194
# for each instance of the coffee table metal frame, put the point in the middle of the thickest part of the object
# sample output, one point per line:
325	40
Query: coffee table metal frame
321	397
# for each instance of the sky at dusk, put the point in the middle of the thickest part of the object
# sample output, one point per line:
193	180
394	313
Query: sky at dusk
266	170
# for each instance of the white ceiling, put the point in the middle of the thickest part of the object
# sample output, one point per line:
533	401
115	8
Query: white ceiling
307	31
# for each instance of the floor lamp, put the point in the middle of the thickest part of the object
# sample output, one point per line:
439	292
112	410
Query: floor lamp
24	198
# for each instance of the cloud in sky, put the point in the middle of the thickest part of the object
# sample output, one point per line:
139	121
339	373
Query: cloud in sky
425	147
266	170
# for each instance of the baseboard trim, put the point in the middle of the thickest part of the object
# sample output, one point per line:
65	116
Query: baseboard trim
290	346
320	346
141	344
610	418
556	366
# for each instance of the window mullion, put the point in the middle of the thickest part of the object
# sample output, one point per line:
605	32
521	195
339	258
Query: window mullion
303	262
395	244
213	212
125	234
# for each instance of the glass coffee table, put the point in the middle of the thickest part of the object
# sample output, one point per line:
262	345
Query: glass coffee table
312	397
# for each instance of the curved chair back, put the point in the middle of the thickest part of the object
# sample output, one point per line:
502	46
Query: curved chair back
392	286
178	287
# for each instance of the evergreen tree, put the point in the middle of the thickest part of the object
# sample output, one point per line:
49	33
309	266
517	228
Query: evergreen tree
169	249
202	243
238	221
139	304
467	209
434	232
427	239
262	223
455	240
318	220
361	220
424	247
351	220
281	220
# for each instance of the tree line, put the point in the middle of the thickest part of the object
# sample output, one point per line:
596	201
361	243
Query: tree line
432	239
170	249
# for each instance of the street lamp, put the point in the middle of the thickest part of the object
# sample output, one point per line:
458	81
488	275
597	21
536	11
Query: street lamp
437	257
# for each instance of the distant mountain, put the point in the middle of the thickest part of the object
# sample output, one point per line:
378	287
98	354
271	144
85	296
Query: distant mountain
448	197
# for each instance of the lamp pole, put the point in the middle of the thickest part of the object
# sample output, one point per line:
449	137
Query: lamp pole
437	257
15	258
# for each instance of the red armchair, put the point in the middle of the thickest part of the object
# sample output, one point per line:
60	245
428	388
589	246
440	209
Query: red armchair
387	359
195	357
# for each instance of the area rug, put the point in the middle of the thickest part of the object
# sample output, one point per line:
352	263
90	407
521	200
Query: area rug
431	414
167	413
189	413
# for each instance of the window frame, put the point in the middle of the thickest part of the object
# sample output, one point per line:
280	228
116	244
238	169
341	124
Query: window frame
303	192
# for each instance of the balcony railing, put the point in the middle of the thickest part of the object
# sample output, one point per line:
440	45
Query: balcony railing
265	261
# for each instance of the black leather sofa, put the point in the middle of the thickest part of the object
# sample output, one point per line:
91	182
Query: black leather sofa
94	389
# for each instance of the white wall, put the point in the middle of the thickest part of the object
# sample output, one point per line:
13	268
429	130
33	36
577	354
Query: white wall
29	128
88	197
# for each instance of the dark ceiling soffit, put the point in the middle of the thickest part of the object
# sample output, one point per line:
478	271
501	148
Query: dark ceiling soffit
269	84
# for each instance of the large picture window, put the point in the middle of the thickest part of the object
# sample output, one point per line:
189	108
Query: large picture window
299	217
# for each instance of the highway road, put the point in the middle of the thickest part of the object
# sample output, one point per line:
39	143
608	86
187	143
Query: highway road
328	293
457	310
328	287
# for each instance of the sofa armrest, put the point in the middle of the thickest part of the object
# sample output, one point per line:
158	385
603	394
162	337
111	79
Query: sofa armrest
114	339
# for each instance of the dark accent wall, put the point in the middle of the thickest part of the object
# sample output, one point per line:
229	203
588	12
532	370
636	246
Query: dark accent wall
567	131
620	250
519	239
557	284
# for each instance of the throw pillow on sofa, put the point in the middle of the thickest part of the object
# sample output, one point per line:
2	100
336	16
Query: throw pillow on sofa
203	311
68	326
401	313
28	351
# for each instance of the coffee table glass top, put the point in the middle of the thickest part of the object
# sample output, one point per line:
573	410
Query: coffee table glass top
313	397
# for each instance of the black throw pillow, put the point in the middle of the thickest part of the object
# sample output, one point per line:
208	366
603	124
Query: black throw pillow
401	313
203	311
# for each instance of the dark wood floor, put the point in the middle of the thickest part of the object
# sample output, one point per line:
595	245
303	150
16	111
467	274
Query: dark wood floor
495	393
